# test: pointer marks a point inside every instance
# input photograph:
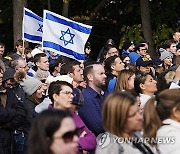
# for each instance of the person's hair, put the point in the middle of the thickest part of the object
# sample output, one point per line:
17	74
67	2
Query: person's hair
132	67
123	56
2	44
52	66
89	69
15	62
37	57
177	61
19	42
169	42
105	51
122	80
158	109
68	68
164	80
55	87
140	78
35	98
109	62
42	130
27	50
138	46
115	112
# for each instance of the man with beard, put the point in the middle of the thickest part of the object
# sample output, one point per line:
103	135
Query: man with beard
90	112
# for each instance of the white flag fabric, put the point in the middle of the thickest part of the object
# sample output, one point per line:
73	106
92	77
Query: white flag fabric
64	36
32	27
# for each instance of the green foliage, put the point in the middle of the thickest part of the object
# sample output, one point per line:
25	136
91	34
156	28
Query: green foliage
132	33
135	33
162	33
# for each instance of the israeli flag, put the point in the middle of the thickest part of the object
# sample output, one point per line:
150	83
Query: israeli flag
64	36
32	27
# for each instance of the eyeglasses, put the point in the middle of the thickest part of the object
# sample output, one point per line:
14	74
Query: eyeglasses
68	136
69	93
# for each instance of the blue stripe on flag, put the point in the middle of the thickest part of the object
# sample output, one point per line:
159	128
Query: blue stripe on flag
68	23
33	16
32	37
61	49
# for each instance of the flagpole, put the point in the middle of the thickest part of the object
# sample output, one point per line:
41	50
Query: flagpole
23	31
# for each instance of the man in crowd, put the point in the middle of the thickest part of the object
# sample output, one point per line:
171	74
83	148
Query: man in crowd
41	62
74	70
90	112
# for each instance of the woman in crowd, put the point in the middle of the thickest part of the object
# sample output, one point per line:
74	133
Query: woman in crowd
162	121
121	118
53	132
125	80
61	94
108	51
145	86
166	58
34	94
126	60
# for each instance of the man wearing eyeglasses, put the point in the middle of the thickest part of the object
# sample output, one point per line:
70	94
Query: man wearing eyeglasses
141	49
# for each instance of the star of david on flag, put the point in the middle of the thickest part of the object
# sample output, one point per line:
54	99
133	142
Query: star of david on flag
64	36
32	27
67	33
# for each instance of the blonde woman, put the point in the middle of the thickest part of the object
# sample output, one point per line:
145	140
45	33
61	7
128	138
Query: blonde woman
125	80
121	118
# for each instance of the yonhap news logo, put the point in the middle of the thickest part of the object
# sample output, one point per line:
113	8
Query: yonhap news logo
103	140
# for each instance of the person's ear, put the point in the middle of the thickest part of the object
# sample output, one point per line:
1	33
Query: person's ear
90	77
112	67
176	114
142	86
55	97
37	64
70	74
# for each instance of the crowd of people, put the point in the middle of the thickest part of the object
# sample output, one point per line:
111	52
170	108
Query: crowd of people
124	102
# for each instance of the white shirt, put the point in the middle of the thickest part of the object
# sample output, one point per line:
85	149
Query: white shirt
143	99
170	130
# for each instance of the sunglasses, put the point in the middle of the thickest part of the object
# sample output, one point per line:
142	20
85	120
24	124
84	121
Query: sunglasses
68	136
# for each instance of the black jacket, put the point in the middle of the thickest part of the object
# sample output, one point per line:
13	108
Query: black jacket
29	105
12	117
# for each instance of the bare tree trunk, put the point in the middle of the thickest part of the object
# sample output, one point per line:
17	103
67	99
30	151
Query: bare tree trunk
49	5
146	24
17	18
65	8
